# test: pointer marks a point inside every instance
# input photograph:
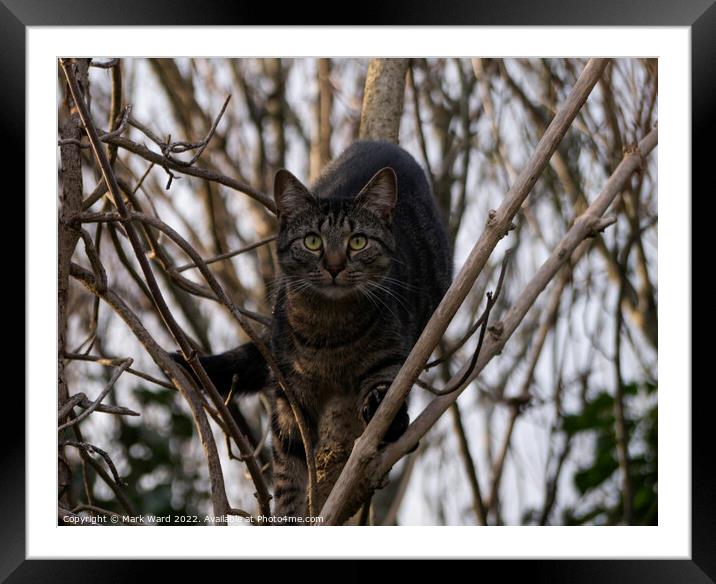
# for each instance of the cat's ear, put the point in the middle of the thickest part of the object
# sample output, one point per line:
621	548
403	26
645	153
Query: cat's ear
380	194
290	194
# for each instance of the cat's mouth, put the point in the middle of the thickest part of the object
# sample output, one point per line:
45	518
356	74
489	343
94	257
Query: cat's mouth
336	290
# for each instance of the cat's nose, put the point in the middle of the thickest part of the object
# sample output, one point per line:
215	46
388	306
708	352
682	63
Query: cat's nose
334	262
334	269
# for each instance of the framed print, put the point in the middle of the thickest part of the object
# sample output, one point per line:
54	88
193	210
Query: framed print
395	287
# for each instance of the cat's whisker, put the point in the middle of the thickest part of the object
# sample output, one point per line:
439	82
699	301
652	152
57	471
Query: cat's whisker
389	292
365	294
280	280
379	299
299	285
405	285
398	295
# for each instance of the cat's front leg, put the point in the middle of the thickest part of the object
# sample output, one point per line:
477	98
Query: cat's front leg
290	482
290	475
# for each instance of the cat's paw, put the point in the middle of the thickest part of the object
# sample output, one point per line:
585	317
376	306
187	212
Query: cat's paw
370	406
372	401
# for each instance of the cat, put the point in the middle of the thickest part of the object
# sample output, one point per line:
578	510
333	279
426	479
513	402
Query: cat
364	261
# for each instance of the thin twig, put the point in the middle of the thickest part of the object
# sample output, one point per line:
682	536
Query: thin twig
483	317
110	384
121	127
419	123
113	362
455	385
103	474
92	449
470	465
229	254
93	256
81	400
178	147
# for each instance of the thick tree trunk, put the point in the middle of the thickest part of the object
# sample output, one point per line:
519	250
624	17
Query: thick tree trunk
321	146
383	99
70	203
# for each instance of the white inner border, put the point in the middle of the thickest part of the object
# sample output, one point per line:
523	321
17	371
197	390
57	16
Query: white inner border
672	538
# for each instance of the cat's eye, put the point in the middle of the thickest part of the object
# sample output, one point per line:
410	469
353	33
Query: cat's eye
312	242
357	242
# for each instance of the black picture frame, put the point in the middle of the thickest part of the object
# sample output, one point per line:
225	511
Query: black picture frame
699	15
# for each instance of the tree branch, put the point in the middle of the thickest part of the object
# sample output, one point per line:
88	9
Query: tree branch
582	228
497	227
197	171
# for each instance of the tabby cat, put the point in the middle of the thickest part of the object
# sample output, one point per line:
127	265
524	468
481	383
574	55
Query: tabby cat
365	260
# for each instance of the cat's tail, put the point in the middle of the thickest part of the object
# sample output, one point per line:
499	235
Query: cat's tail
245	361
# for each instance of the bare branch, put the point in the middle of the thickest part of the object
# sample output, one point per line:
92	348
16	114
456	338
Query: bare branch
173	273
470	465
580	230
228	255
498	226
80	399
176	374
92	449
169	148
196	171
99	511
113	362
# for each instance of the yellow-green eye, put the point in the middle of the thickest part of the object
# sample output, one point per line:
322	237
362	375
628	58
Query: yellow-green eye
357	242
312	242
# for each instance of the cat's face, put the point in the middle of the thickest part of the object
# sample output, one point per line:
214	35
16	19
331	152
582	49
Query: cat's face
335	249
